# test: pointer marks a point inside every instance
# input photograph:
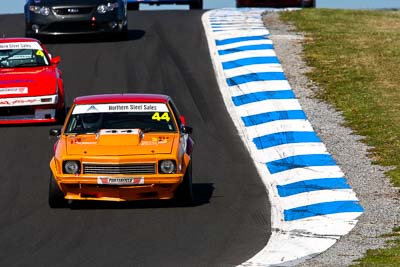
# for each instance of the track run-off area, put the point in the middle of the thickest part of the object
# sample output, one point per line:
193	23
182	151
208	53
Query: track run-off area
312	203
267	191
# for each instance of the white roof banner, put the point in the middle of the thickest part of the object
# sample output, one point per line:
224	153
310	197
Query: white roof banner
120	107
20	45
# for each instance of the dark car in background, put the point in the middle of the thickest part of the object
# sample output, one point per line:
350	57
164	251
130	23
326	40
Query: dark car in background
275	3
63	17
193	4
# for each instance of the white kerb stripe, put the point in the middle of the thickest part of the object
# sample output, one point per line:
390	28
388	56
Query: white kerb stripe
309	173
247	54
241	24
248	69
325	225
278	126
238	28
314	197
268	106
234	19
243	33
288	150
259	86
288	249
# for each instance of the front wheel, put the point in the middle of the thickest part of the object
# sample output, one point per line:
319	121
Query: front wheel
123	35
196	4
56	196
184	193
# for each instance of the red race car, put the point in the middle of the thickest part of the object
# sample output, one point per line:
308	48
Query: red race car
31	85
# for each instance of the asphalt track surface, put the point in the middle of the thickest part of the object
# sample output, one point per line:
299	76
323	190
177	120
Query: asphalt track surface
166	53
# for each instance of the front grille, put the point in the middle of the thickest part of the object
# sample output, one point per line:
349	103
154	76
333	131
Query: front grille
71	27
16	111
136	168
73	10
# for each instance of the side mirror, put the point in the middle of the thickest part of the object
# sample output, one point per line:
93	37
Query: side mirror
55	132
55	60
183	120
187	129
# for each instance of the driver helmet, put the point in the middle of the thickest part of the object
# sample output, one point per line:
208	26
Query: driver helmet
92	120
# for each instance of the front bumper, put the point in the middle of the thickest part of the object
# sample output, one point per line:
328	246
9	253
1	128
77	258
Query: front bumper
89	188
28	109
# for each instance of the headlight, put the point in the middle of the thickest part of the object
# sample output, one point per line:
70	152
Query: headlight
107	8
42	10
167	166
71	167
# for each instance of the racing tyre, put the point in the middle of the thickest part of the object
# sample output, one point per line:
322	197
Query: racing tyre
196	4
123	35
133	6
184	193
56	196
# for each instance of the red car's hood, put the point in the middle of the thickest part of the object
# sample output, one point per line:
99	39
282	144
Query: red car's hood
21	82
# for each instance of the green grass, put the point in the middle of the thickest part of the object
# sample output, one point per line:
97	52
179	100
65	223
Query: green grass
355	59
356	55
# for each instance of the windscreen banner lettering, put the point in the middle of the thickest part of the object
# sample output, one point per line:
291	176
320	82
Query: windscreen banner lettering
20	45
120	107
145	107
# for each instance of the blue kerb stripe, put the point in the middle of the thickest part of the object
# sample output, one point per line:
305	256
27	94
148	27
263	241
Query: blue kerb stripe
239	24
225	25
312	185
219	23
302	161
253	77
249	61
260	96
322	209
245	48
240	39
277	139
274	116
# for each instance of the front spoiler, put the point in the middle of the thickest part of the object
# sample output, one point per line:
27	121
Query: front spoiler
118	193
97	32
26	121
86	187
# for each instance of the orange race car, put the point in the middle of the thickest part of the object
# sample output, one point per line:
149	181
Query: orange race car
120	147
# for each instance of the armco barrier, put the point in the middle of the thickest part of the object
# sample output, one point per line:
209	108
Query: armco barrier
312	204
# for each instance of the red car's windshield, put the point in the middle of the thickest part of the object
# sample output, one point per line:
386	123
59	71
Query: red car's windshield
14	58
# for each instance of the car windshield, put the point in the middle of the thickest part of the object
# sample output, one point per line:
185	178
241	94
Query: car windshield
147	117
14	55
